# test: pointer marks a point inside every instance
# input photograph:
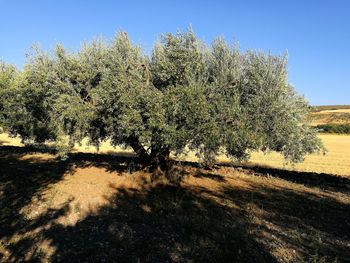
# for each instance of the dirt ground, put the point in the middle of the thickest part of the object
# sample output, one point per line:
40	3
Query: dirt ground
102	208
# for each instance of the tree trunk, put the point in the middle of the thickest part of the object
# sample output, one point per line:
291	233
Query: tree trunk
136	145
160	157
157	159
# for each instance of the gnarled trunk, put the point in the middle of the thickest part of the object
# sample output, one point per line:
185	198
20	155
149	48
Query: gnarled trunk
138	148
158	158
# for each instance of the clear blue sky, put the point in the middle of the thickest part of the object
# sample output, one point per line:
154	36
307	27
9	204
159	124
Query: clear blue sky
315	33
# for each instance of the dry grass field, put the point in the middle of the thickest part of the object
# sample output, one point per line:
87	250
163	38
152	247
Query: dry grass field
337	110
336	161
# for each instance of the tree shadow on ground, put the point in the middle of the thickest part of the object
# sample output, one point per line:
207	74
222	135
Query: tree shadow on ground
316	226
159	224
164	223
321	180
20	180
23	178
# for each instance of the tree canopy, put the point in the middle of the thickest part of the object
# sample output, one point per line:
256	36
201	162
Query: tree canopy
185	96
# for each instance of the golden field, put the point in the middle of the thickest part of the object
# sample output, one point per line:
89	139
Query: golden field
337	110
336	161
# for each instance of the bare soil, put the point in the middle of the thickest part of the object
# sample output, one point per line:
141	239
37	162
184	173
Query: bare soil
103	208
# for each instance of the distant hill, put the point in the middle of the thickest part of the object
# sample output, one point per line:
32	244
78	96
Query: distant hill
329	107
331	118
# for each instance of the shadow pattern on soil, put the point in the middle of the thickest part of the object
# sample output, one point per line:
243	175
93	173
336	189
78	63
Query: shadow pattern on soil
164	223
321	180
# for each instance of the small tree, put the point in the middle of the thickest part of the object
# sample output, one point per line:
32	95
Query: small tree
8	74
185	96
7	78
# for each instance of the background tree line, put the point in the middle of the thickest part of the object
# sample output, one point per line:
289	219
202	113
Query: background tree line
334	128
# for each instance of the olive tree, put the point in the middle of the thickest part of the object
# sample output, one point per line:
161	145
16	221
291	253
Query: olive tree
8	75
27	100
185	96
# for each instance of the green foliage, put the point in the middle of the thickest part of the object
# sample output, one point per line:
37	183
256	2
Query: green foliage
334	128
8	76
185	96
